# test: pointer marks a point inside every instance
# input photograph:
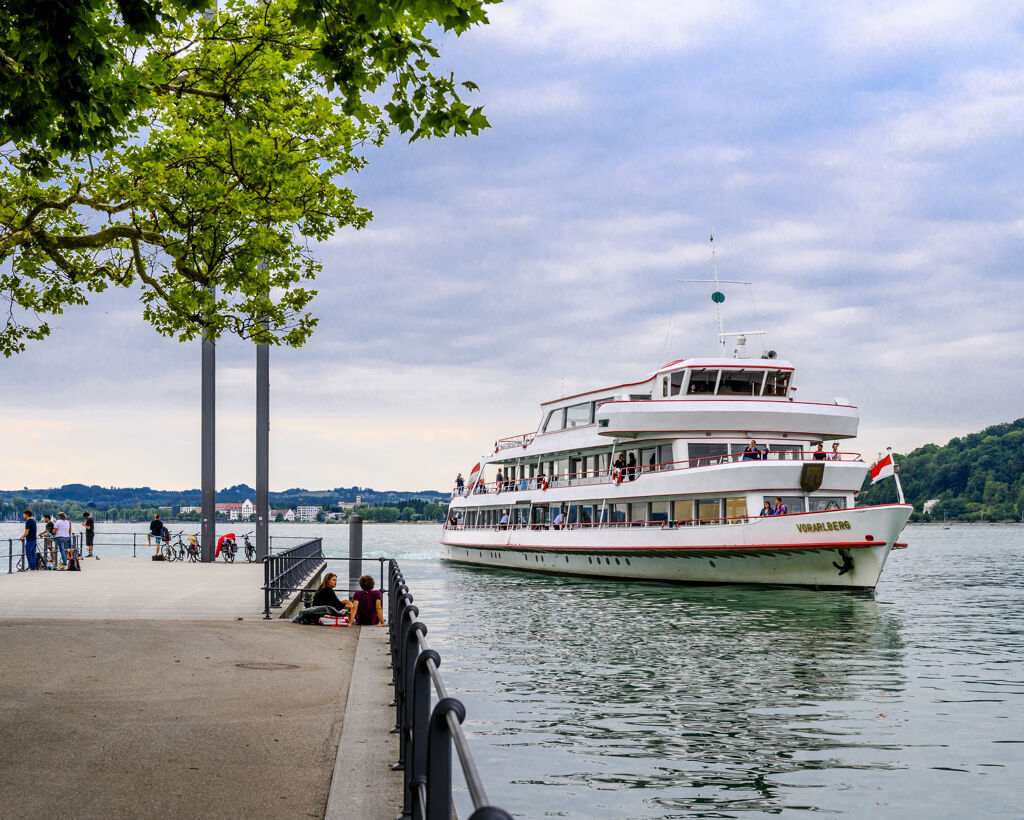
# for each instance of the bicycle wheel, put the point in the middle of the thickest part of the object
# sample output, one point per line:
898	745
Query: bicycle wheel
168	552
250	554
229	556
193	556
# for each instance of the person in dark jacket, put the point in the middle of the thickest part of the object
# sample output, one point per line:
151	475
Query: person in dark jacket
325	602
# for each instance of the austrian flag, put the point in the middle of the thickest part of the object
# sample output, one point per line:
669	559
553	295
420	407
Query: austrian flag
883	469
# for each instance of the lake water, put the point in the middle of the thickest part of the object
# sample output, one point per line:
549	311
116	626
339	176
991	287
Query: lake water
612	700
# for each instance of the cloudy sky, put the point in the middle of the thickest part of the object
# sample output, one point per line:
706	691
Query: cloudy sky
859	162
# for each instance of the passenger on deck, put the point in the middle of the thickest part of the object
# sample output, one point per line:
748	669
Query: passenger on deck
367	604
834	455
503	524
557	522
779	508
619	469
631	467
325	602
460	483
751	453
499	481
767	509
819	454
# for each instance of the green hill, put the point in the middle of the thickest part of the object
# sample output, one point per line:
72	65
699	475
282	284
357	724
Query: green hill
975	477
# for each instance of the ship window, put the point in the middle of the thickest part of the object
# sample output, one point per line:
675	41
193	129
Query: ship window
741	383
677	382
794	503
665	457
707	454
709	511
792	451
586	514
826	502
682	511
648	459
659	512
555	420
736	510
638	513
777	383
702	381
578	415
617	513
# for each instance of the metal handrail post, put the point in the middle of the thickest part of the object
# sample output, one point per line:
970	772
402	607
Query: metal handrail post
416	773
439	758
404	605
408	657
266	588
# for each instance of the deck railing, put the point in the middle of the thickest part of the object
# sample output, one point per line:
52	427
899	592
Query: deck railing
17	560
621	475
426	735
284	572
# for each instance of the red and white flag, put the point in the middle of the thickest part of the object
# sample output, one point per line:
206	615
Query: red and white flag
883	469
473	475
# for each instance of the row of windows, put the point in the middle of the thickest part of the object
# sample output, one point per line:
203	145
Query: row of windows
715	382
581	468
728	510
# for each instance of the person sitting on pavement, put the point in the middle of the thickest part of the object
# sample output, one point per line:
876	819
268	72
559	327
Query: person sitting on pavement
367	604
325	602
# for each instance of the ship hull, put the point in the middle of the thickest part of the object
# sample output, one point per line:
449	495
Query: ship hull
840	548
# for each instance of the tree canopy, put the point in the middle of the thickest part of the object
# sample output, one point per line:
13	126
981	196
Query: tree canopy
974	477
198	154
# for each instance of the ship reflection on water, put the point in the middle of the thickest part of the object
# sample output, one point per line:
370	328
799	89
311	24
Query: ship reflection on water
699	701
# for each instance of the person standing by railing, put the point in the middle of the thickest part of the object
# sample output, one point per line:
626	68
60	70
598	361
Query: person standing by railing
62	529
49	546
29	539
460	484
834	455
90	531
156	532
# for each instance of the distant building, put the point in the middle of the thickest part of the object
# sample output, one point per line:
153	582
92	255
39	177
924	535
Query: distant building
248	509
307	513
289	515
930	505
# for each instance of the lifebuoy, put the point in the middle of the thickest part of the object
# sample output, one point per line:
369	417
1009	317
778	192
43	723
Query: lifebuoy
543	483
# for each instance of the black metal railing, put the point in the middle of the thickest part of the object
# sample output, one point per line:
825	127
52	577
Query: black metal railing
46	553
427	735
283	573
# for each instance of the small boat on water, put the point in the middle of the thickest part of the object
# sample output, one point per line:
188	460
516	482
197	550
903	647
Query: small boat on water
706	470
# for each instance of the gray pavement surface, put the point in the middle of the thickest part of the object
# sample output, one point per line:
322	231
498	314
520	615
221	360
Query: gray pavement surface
136	588
132	689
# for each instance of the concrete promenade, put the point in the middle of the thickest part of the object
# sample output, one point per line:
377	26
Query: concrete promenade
132	689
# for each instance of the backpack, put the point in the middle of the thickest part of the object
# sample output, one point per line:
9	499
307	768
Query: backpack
74	565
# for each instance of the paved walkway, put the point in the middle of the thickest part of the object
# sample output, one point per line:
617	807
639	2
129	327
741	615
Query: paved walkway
136	588
138	712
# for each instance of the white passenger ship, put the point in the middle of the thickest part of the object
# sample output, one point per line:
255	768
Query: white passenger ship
690	510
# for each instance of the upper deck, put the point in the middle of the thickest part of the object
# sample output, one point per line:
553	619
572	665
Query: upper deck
714	394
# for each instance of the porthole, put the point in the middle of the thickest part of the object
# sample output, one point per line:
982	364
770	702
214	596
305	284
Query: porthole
616	560
590	560
626	560
713	564
567	559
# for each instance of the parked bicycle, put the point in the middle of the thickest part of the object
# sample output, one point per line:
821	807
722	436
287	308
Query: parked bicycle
250	548
192	552
170	551
227	546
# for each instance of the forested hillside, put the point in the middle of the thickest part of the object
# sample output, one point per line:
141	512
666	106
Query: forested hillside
976	477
